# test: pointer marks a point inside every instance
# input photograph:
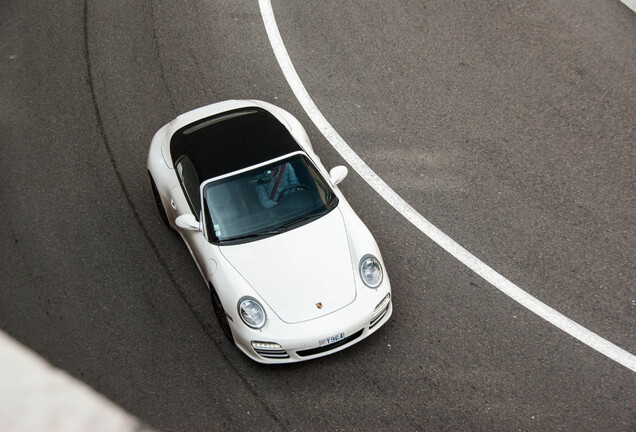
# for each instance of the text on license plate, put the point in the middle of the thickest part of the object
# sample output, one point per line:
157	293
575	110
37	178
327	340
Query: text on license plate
331	339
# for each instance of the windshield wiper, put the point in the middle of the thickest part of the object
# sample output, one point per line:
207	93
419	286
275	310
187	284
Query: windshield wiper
253	235
278	230
299	219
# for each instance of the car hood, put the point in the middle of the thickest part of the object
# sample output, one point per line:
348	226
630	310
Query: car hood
296	271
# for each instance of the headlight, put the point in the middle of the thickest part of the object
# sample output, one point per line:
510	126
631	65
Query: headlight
370	271
251	312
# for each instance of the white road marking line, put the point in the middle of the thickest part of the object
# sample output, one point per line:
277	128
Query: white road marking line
630	4
455	249
36	396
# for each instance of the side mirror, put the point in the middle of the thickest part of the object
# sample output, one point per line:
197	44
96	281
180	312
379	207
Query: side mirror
337	174
187	222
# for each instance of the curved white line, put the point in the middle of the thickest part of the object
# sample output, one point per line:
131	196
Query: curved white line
630	4
455	249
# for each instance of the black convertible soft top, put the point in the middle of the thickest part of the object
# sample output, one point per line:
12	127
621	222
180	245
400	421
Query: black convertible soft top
231	141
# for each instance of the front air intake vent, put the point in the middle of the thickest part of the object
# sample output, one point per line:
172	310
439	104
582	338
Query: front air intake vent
377	319
323	349
272	354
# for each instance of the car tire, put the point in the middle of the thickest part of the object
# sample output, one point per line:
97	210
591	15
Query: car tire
159	203
221	316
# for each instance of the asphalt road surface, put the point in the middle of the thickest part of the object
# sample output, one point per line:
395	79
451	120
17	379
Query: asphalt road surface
510	125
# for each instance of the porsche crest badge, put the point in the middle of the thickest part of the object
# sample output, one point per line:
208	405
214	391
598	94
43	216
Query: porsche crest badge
319	305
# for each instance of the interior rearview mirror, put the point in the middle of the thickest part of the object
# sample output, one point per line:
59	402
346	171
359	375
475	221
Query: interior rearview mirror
337	174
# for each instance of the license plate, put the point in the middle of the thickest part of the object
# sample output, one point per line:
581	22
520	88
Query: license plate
331	339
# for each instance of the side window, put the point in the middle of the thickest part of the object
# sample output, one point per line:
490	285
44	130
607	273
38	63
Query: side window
189	180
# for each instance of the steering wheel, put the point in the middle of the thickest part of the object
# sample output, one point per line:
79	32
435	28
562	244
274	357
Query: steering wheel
291	189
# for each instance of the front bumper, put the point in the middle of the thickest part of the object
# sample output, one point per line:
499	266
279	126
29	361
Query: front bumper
301	341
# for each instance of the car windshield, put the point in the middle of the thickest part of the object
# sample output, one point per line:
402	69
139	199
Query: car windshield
265	201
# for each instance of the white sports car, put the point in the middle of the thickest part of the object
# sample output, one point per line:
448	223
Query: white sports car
294	274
